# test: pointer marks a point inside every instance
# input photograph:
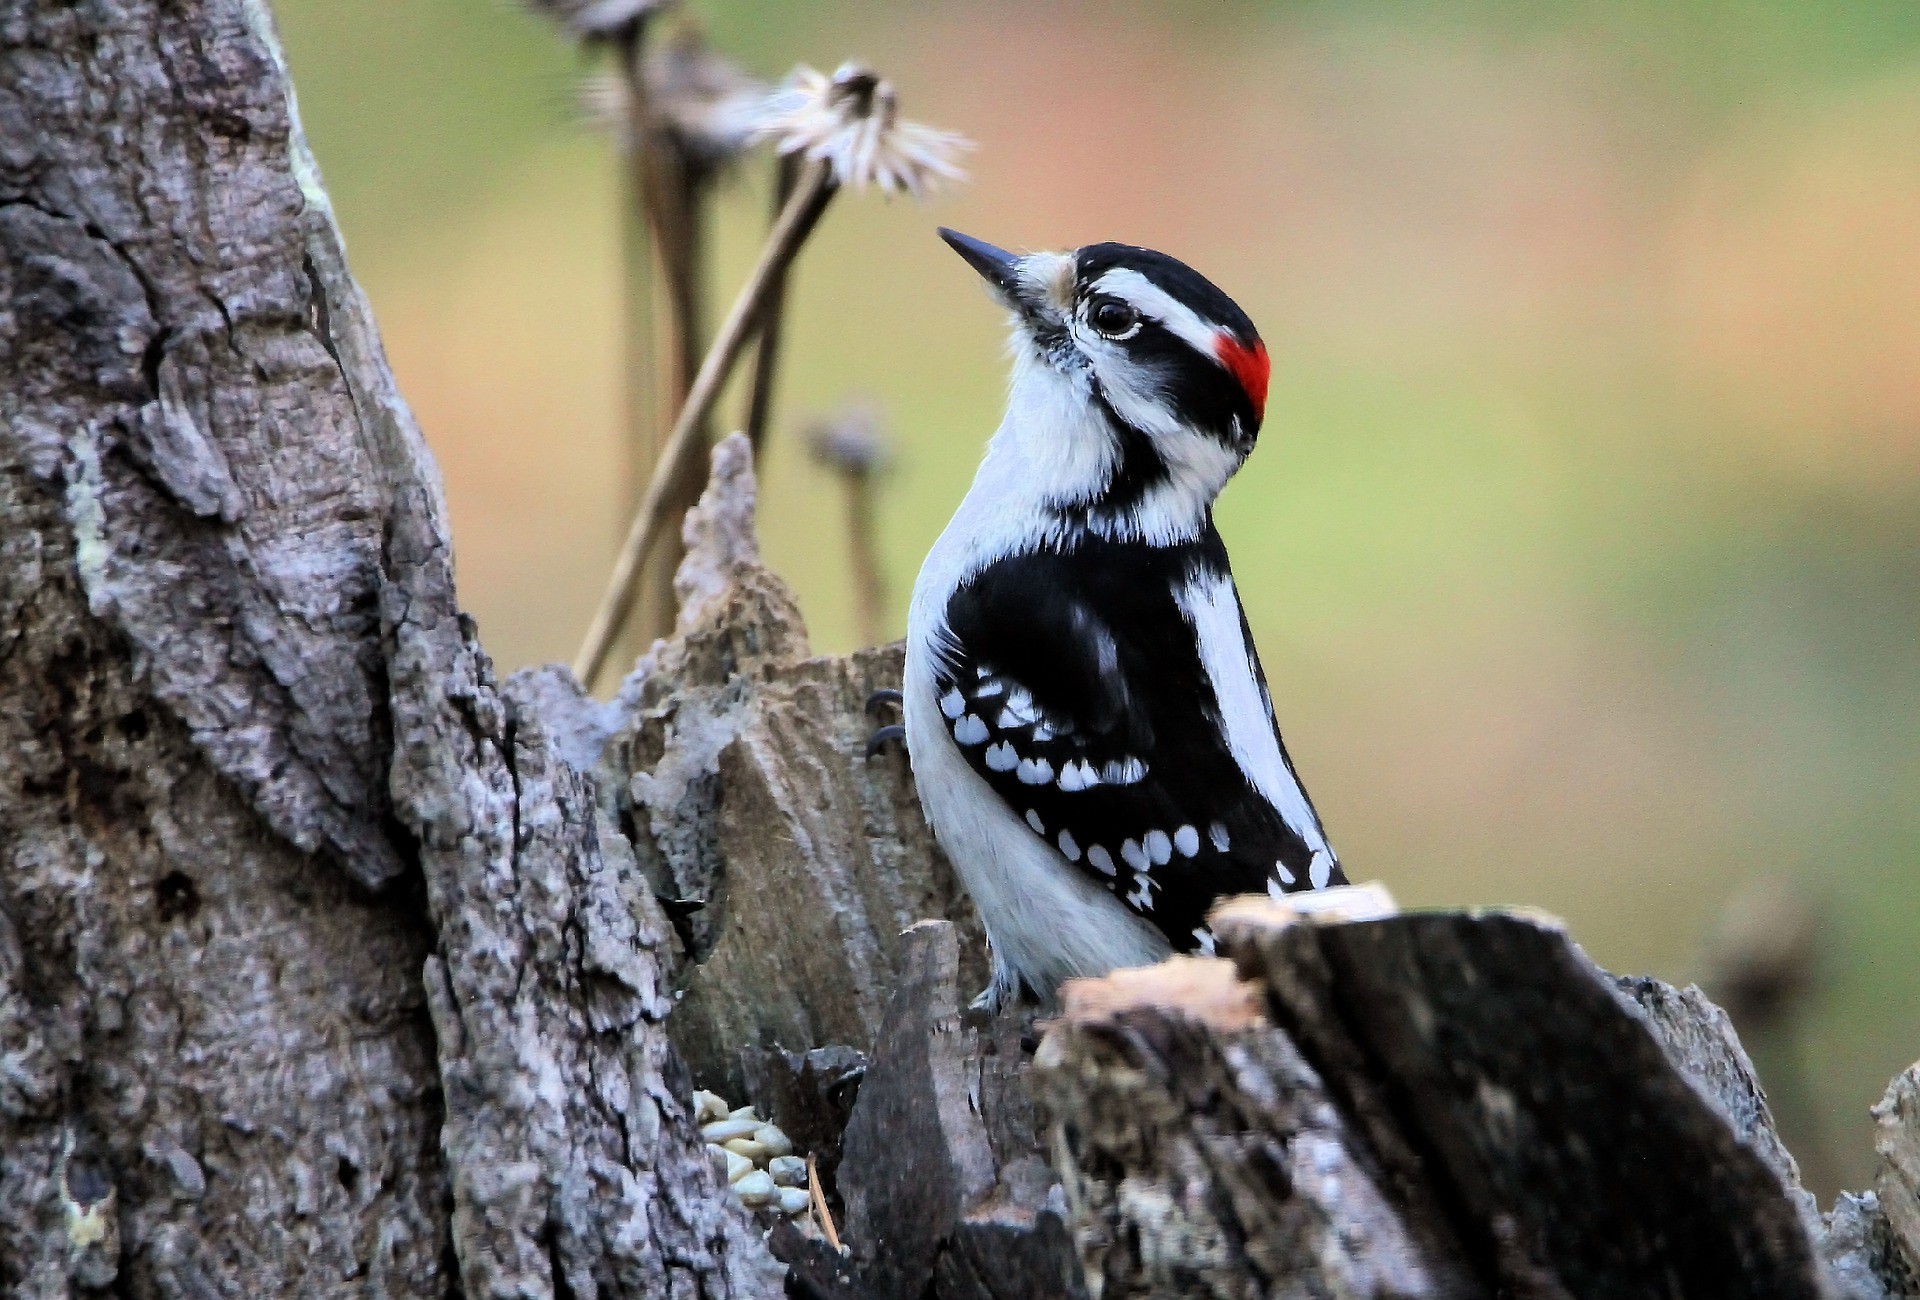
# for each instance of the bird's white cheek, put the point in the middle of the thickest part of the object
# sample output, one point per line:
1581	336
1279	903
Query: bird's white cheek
1136	394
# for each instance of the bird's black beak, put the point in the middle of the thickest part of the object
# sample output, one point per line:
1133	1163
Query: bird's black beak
996	266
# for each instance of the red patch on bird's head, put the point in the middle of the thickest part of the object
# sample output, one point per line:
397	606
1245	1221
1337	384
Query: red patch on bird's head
1246	364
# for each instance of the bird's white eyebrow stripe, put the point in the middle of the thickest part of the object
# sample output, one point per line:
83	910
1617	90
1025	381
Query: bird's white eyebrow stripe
1150	299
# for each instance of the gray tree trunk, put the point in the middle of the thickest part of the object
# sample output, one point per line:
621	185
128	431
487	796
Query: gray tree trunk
237	698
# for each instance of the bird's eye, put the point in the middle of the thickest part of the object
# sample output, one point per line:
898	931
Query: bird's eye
1112	317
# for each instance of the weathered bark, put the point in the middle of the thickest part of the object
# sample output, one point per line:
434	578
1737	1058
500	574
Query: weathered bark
947	1191
231	633
206	1023
1440	1105
737	765
1897	1139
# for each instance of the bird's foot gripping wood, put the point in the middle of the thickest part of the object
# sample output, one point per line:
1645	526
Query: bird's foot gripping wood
1003	994
877	704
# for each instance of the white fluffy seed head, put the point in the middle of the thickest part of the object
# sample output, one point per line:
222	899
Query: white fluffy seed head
851	121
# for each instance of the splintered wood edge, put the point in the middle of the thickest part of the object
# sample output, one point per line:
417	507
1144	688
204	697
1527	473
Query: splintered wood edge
1253	912
1203	989
1897	1142
1247	916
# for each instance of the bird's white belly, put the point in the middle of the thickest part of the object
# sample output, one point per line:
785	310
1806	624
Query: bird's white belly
1047	920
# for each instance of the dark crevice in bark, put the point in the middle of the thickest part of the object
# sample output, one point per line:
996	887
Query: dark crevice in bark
319	319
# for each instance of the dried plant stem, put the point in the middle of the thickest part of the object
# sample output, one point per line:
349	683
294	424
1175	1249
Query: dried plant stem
869	586
683	446
766	361
819	1198
644	422
670	188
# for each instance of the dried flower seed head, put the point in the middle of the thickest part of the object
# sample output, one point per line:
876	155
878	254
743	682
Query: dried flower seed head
706	99
851	121
597	19
709	104
850	442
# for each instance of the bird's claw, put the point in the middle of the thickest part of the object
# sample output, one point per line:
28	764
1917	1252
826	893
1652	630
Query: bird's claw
878	741
880	700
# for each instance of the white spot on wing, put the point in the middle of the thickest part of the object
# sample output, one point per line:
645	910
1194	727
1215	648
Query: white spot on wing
1133	855
970	730
1018	711
1158	847
1187	840
1284	871
1033	820
1142	895
1204	937
1128	771
989	689
1100	860
1320	870
1069	847
953	704
1035	771
1078	775
1001	758
1274	891
1041	731
1218	834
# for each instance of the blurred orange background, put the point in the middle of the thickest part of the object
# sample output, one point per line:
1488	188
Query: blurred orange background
1583	540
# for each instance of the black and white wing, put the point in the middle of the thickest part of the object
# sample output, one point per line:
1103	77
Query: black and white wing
1114	701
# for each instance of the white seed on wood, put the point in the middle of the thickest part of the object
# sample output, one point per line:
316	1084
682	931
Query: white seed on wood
726	1130
776	1142
793	1200
738	1166
708	1107
750	1149
746	1112
788	1171
755	1189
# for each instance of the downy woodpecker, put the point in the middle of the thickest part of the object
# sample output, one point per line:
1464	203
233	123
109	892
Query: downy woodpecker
1089	725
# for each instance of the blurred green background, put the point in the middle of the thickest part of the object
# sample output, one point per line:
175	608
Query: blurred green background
1583	540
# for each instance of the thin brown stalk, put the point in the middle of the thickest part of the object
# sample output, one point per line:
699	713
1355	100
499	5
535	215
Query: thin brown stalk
644	423
869	587
818	1196
683	449
670	185
852	446
766	361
